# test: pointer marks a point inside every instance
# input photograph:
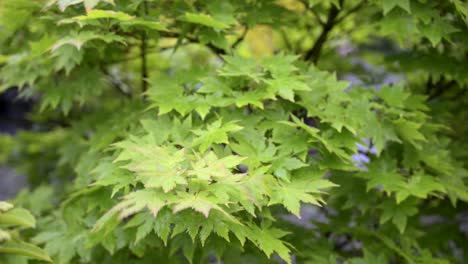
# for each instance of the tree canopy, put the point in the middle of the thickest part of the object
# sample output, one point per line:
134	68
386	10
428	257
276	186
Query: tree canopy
237	131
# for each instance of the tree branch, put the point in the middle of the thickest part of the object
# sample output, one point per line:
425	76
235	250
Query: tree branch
313	54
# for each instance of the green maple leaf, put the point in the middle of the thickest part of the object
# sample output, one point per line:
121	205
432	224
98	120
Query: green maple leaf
252	144
388	5
252	97
168	95
420	186
256	186
305	186
205	20
100	14
74	89
285	87
137	201
201	202
109	174
153	165
436	30
41	46
410	131
145	223
144	23
162	225
68	57
268	240
238	66
80	38
382	173
380	131
89	4
216	132
400	24
280	65
196	224
213	85
24	249
17	217
210	166
284	165
214	226
398	213
59	243
394	96
290	140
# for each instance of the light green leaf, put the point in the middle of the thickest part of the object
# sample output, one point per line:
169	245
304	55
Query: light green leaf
100	14
25	249
388	5
215	132
305	187
398	213
204	19
5	206
17	217
200	203
79	39
137	201
420	186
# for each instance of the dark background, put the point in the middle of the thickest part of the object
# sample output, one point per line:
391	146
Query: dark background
13	117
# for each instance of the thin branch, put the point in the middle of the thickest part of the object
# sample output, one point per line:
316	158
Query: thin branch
459	94
351	11
313	11
437	89
216	50
149	50
429	85
286	40
115	83
317	16
240	39
143	50
313	54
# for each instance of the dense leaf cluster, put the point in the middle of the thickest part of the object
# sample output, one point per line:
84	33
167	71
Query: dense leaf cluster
194	131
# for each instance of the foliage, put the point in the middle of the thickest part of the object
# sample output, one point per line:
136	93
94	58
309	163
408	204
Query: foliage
12	248
192	131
